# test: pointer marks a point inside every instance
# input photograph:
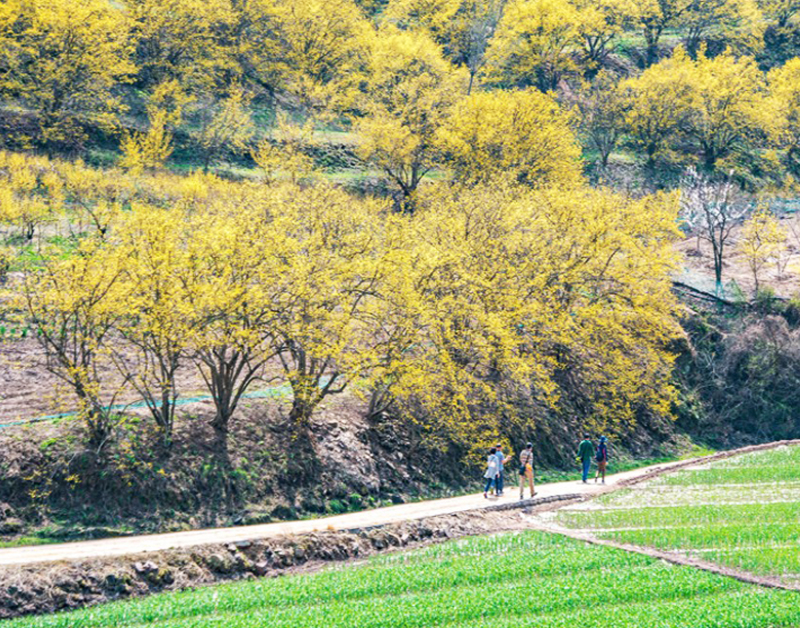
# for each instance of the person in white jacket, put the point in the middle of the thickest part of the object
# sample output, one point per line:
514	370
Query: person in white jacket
491	472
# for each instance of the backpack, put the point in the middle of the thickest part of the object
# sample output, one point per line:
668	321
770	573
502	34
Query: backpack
601	453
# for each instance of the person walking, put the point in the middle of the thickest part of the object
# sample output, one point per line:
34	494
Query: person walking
500	460
602	459
491	472
526	470
585	454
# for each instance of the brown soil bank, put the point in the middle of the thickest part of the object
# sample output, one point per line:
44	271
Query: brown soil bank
51	482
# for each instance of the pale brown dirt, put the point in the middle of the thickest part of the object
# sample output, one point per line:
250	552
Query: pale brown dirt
698	263
29	390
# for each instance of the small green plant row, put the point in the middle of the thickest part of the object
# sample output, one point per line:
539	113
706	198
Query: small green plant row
661	517
782	561
779	456
737	475
773	465
760	534
674	496
16	332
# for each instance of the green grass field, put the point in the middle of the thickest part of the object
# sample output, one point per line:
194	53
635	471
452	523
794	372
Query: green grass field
743	512
507	581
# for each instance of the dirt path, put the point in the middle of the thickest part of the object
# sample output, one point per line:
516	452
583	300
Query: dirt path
369	518
71	552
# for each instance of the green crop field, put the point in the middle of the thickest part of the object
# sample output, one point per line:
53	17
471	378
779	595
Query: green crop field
510	580
743	512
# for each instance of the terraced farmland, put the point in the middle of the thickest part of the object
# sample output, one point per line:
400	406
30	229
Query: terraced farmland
523	579
743	513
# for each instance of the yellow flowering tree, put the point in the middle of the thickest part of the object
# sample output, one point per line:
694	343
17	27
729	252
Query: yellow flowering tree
180	40
317	48
231	338
463	28
656	105
718	105
31	193
524	134
562	292
74	306
602	108
148	150
600	23
729	106
285	153
534	43
733	19
761	241
225	127
64	61
784	85
781	12
325	279
738	22
409	88
155	315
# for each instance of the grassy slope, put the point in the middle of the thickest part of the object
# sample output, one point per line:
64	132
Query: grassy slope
526	579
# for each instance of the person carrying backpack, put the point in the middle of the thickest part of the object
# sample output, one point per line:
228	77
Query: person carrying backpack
602	459
526	470
585	454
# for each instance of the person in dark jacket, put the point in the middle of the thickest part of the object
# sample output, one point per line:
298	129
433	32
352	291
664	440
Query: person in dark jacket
601	457
501	458
585	454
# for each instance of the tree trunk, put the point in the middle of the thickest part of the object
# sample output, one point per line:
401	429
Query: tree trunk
793	160
718	271
300	415
302	465
167	418
710	159
604	155
651	36
220	421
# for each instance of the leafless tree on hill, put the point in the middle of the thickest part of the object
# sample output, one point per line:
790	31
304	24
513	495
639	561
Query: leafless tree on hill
711	207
